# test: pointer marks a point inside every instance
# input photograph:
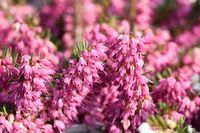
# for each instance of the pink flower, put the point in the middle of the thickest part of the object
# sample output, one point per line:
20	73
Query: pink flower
101	34
192	60
189	37
7	72
117	7
124	95
177	90
165	57
26	91
28	40
78	81
5	126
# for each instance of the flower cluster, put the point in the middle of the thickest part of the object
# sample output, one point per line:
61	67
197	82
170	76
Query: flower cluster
177	90
23	39
116	66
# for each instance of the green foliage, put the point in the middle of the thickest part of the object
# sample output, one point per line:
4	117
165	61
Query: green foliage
6	109
152	83
196	7
14	58
31	59
7	52
66	63
57	76
3	111
182	128
79	48
164	74
18	1
32	20
106	2
159	123
47	34
164	108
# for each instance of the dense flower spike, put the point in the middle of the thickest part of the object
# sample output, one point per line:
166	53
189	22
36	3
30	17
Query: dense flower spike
124	104
177	90
78	81
33	82
126	64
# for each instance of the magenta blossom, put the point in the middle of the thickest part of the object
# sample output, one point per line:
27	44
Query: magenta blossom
26	91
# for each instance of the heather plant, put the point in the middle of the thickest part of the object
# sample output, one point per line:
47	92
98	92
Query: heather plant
129	102
116	66
77	82
8	69
177	90
27	40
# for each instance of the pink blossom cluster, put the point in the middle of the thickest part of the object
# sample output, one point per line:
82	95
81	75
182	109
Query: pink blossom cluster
27	40
177	90
104	65
189	37
26	88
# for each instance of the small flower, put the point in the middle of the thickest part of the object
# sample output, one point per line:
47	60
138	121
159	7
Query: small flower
7	72
177	90
26	91
78	80
122	97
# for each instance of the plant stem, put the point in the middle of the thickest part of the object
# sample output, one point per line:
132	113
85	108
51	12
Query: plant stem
132	14
78	20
